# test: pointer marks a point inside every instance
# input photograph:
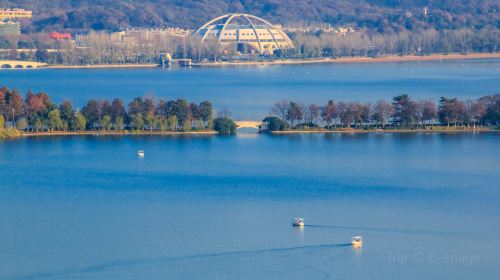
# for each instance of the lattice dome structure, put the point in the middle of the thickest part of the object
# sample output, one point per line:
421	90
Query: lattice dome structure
247	30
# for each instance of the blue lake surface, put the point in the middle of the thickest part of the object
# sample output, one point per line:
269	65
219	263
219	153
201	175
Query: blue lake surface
211	207
250	92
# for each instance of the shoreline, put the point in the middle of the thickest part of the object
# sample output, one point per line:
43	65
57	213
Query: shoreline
383	59
101	66
116	133
215	133
361	131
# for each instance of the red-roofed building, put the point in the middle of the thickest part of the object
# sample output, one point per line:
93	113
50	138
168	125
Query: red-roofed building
14	14
60	36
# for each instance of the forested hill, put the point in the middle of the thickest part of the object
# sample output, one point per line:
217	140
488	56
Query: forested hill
380	15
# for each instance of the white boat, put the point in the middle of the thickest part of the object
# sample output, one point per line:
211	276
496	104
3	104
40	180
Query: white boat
357	241
140	153
298	222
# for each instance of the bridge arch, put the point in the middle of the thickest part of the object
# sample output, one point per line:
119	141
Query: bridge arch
248	124
19	64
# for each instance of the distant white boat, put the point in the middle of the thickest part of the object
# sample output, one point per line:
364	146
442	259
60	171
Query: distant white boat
357	241
298	222
140	153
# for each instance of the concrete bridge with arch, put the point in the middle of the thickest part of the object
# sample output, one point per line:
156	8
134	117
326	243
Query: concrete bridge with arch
18	64
249	124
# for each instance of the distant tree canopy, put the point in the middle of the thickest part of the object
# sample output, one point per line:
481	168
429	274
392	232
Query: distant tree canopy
404	112
493	112
379	15
37	113
383	27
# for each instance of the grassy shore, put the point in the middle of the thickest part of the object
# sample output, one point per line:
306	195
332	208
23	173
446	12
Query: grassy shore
117	133
212	132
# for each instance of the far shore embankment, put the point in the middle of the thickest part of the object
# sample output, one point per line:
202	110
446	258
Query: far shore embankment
407	58
382	59
116	133
103	66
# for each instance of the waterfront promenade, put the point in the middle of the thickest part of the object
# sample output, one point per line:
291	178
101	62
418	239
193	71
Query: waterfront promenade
382	59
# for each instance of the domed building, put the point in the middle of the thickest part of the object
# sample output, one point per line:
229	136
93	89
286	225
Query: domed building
245	32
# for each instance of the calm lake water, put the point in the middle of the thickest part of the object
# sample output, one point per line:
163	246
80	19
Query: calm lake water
207	207
221	207
250	92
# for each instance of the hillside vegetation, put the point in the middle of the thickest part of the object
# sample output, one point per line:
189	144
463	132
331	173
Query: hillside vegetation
379	15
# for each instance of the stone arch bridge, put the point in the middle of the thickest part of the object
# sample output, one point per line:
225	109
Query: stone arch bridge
18	64
249	124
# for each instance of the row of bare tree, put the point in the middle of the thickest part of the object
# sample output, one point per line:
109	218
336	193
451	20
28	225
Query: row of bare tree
366	43
37	112
402	112
112	48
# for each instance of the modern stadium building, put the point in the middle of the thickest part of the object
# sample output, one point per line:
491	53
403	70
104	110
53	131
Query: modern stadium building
244	30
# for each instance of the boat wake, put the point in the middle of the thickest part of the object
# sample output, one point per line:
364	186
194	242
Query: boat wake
161	260
389	230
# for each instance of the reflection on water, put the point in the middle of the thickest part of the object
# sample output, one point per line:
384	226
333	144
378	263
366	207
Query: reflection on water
358	250
300	232
247	132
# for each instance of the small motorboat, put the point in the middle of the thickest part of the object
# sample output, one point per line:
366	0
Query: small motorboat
298	222
357	241
140	153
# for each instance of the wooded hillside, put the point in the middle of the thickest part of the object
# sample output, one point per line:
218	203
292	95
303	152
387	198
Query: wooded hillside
380	15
